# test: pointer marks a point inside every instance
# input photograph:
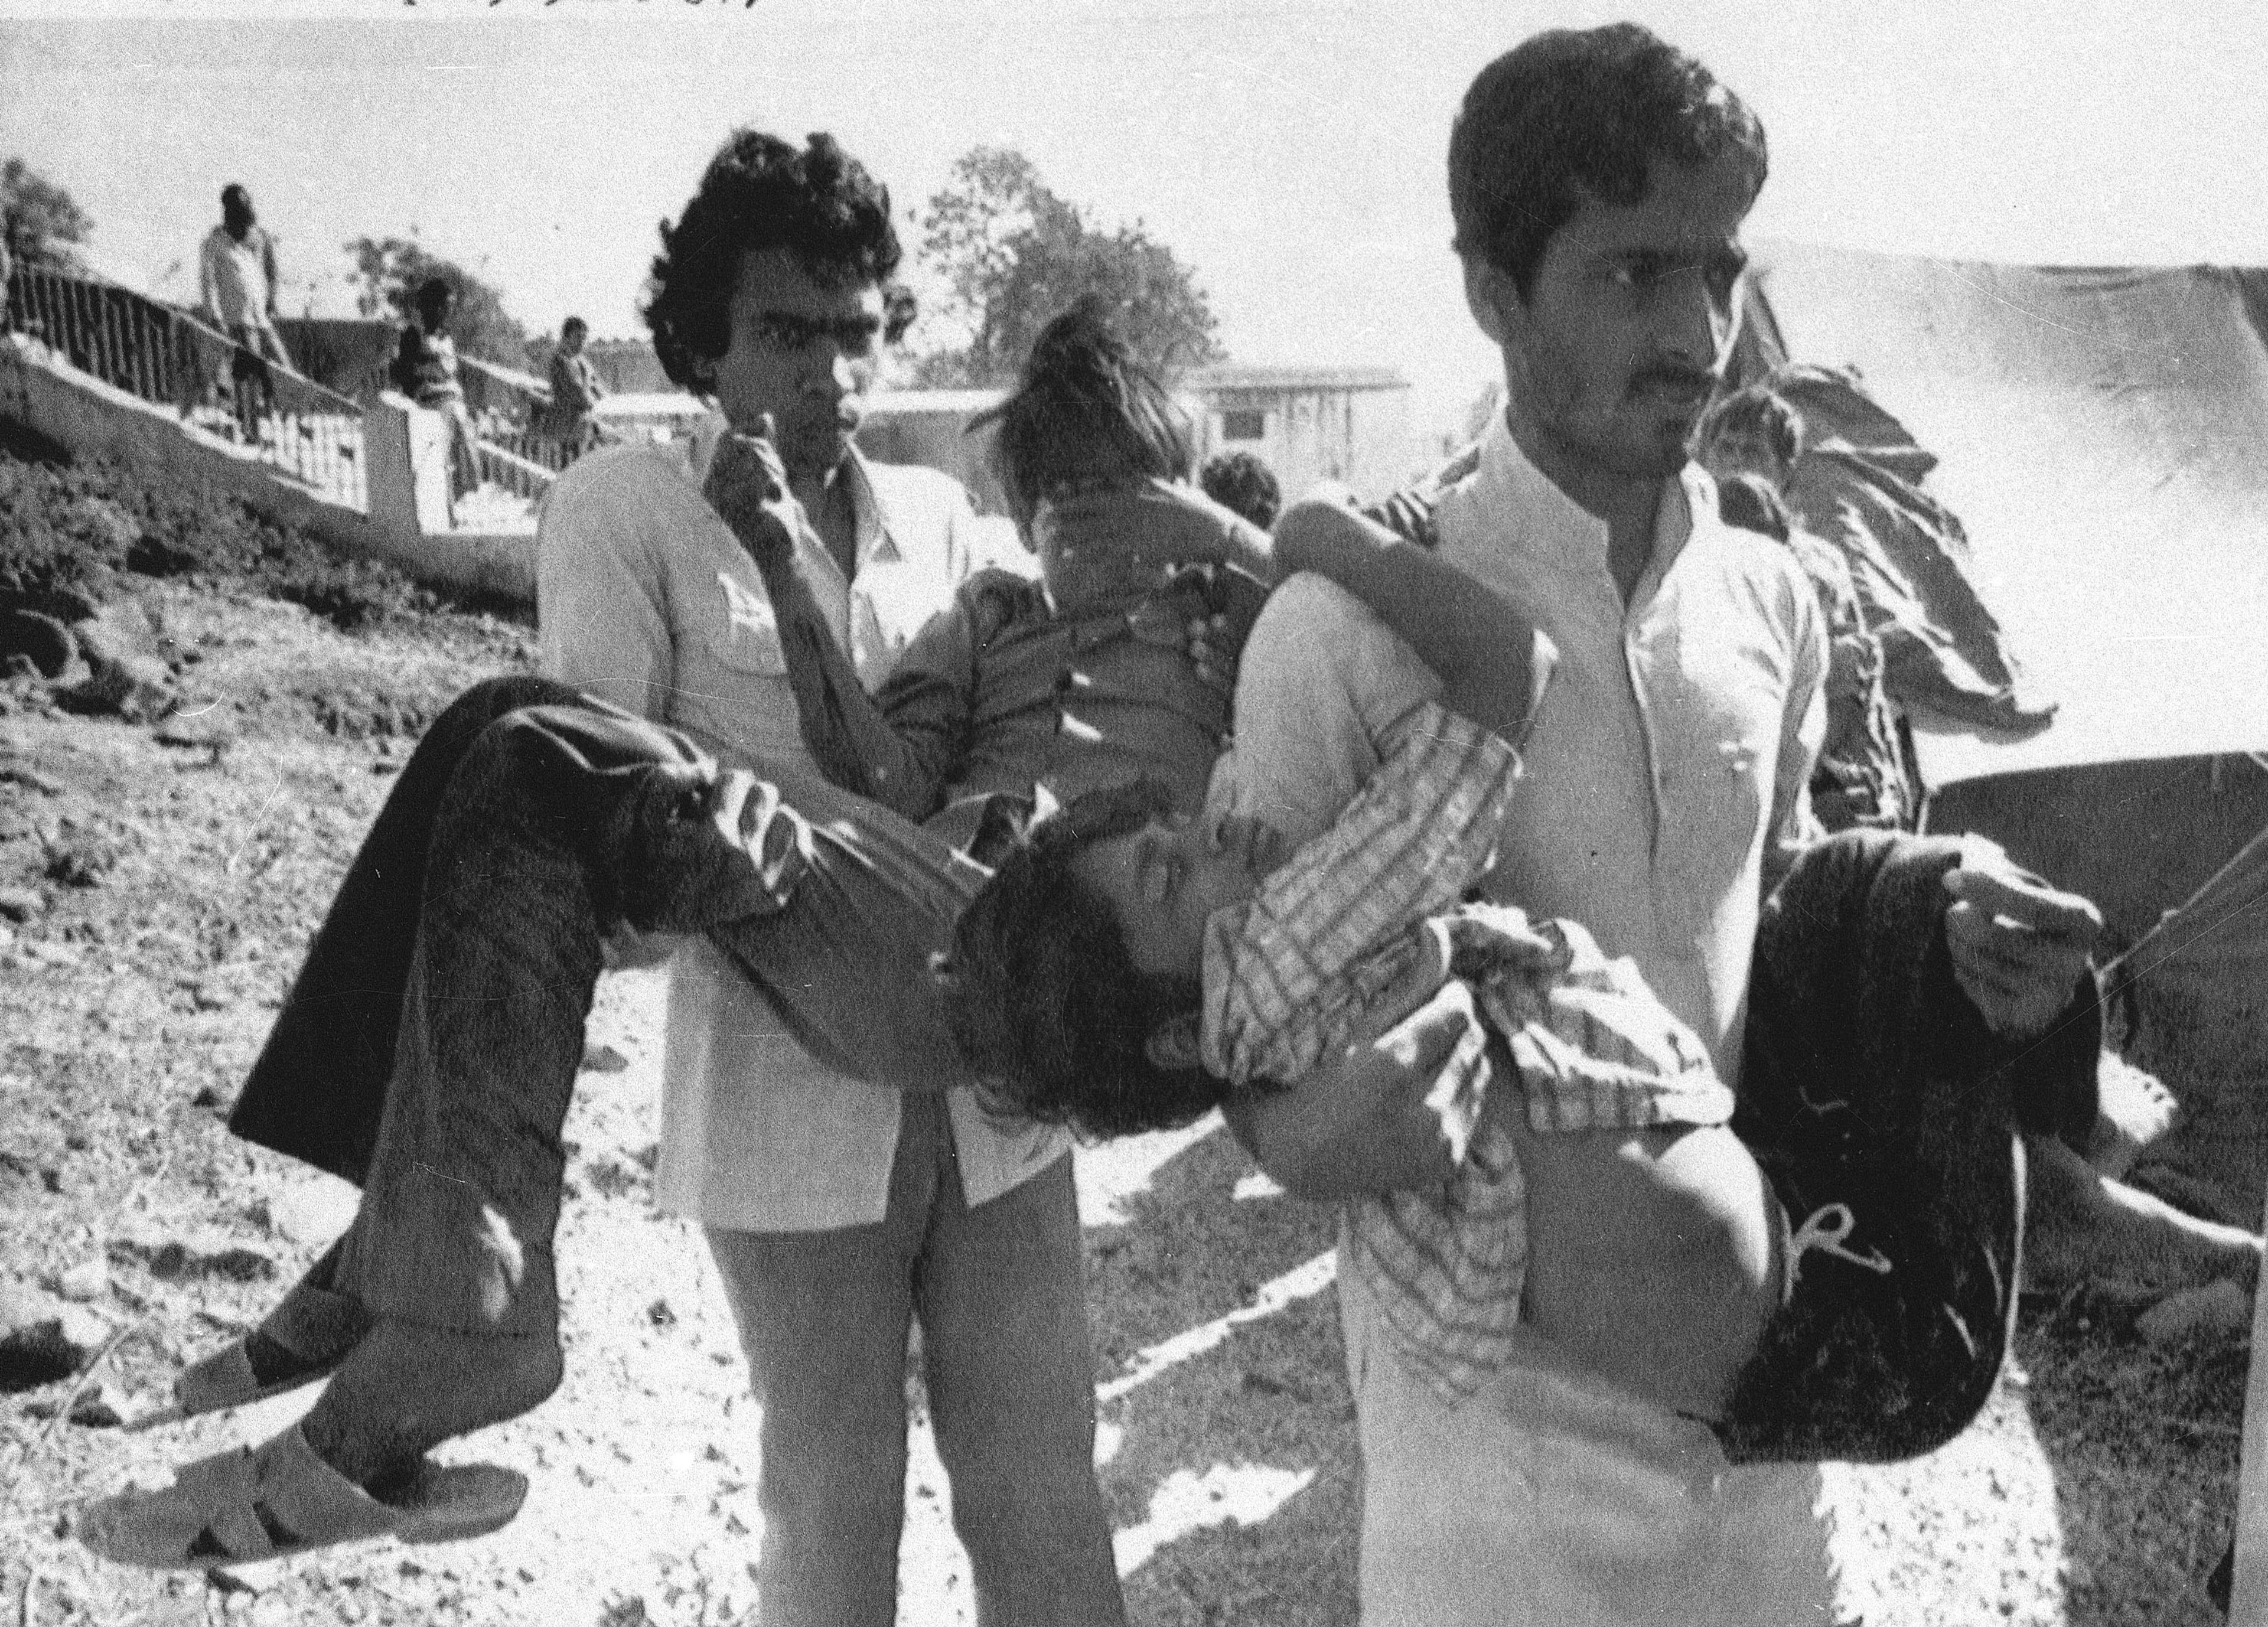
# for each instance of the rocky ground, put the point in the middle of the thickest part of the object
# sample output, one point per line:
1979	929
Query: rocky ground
158	881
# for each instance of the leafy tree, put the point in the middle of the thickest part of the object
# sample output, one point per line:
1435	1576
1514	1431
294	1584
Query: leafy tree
38	218
392	269
1012	253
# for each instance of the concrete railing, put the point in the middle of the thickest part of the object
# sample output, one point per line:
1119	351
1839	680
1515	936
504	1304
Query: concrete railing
404	521
170	358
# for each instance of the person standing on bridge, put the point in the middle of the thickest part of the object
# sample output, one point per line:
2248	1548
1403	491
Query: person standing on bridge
236	278
425	369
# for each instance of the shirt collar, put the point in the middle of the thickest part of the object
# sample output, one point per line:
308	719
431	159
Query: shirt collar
1510	485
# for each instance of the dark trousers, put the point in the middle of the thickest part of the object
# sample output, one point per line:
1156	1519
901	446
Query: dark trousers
429	1045
1871	1084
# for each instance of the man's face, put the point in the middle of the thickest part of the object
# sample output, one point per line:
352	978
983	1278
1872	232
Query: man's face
236	212
803	351
1745	452
1166	880
570	340
1622	340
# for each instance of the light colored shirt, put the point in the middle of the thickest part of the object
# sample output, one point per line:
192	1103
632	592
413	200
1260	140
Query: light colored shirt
644	597
237	279
1315	673
1667	770
1289	977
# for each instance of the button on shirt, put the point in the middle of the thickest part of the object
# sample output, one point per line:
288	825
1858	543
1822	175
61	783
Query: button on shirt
644	597
1674	744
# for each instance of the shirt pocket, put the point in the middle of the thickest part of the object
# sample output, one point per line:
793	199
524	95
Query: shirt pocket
743	633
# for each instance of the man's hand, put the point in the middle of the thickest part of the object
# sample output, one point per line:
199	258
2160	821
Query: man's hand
625	949
748	487
1158	522
1373	1121
2019	945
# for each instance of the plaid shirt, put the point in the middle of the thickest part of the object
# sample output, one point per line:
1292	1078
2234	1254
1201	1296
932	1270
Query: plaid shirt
1288	978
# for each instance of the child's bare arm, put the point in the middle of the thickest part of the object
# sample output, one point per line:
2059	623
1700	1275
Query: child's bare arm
1369	1121
1493	662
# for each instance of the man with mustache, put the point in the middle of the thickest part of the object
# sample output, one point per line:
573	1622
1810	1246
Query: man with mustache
837	1210
1598	182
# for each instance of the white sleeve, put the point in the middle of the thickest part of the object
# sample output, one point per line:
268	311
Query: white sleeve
1320	686
601	615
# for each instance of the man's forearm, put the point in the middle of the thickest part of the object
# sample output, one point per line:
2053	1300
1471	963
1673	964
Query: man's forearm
848	737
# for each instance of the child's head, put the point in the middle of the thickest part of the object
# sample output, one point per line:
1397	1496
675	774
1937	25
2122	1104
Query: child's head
1077	969
435	297
1754	431
1085	413
1242	482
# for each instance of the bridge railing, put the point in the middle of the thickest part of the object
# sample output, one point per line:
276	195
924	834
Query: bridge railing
170	358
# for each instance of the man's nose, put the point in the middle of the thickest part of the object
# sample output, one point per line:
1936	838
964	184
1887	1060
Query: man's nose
1696	323
836	373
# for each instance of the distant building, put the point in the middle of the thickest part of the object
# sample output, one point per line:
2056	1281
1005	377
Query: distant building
931	427
628	367
1309	424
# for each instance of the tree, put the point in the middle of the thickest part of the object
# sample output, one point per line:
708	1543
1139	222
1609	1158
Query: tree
38	218
1012	253
392	269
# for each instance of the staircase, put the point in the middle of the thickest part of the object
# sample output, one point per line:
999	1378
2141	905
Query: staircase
305	438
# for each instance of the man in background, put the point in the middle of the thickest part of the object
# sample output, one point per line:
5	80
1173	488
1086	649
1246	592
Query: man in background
1244	484
236	278
425	369
574	391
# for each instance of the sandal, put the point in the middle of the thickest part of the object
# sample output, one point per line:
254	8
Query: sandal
265	1503
313	1325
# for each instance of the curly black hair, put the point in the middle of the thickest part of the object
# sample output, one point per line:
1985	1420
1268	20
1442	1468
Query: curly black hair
1571	114
758	193
1243	482
1085	413
1046	1004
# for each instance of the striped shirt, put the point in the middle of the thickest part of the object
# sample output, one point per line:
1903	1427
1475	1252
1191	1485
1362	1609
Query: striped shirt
1288	977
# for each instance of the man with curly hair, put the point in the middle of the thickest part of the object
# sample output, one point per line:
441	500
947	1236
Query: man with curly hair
838	1211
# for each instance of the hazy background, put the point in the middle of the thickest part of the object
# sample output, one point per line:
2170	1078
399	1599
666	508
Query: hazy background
1292	153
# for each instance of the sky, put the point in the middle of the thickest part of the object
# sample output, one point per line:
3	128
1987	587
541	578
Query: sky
1292	153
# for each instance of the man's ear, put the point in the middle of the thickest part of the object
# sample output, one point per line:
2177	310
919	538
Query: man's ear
1491	297
1173	1045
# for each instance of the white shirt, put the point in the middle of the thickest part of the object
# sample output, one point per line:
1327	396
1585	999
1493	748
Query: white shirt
1600	830
1677	735
644	596
234	275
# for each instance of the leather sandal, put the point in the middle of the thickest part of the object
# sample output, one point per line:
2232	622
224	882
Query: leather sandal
250	1503
317	1328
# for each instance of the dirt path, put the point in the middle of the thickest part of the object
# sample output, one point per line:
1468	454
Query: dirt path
2097	1489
